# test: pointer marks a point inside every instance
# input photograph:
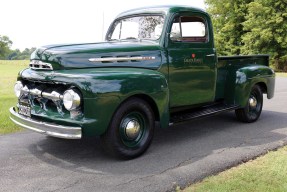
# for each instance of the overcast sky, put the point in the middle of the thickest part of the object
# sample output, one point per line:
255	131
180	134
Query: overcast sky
32	23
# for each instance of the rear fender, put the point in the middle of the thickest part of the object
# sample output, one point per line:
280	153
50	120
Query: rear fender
241	81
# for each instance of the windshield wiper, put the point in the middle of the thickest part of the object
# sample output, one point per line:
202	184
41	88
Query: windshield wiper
128	38
114	40
132	38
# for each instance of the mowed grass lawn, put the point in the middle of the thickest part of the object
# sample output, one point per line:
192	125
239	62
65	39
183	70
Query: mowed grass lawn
9	71
281	74
264	174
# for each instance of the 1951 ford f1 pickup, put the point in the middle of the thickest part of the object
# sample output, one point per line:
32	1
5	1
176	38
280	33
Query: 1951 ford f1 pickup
157	64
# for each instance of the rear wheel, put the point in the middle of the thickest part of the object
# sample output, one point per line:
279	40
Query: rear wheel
131	130
251	112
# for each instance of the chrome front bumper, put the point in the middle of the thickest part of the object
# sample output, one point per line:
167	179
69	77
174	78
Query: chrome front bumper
66	132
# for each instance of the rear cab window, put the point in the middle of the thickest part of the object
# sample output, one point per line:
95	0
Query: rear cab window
189	29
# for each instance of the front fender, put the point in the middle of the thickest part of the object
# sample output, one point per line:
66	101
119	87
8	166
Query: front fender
105	91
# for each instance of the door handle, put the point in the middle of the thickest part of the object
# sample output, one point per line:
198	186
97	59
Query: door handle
210	55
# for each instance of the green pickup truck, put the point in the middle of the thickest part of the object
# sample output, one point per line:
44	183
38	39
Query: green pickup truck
157	66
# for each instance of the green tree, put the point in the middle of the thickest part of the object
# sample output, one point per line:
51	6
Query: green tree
266	30
227	17
5	44
14	54
24	55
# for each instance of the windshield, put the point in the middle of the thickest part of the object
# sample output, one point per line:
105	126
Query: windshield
139	27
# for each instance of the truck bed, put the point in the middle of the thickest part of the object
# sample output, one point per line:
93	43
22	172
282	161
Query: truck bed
228	66
243	59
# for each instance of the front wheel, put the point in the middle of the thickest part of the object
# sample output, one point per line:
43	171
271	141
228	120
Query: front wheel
131	130
251	112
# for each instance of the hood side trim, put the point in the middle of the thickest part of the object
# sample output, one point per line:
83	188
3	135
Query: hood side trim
113	59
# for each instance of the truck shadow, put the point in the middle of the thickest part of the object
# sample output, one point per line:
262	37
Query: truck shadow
187	142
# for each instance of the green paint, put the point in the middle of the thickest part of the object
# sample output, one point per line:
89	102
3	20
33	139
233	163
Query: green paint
173	74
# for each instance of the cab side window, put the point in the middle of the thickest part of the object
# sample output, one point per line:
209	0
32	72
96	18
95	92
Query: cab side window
189	29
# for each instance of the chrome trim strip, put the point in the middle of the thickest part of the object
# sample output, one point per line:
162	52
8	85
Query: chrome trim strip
112	59
60	131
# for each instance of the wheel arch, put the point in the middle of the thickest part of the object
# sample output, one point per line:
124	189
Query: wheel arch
262	86
242	91
147	99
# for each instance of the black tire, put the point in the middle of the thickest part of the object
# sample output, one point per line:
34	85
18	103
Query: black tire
131	130
251	112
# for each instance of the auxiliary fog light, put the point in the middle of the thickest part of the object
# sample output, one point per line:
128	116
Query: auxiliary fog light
17	88
71	100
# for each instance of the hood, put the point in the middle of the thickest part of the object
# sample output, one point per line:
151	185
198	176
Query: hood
142	54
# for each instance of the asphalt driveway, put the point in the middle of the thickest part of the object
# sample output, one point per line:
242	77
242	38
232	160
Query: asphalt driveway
179	155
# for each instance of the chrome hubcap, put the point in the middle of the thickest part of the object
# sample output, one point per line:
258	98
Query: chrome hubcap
252	102
132	129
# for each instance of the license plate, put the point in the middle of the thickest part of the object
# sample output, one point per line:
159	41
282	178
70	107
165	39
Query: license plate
24	109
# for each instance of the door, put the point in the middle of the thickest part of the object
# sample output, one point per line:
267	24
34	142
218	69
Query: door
192	59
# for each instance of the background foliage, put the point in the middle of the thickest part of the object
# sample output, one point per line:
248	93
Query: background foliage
6	53
5	44
251	27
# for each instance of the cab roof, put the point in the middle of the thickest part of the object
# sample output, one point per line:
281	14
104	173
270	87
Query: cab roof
163	9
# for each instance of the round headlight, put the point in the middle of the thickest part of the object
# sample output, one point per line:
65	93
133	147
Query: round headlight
71	100
17	88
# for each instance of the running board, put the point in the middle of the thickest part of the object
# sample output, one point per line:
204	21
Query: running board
201	112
